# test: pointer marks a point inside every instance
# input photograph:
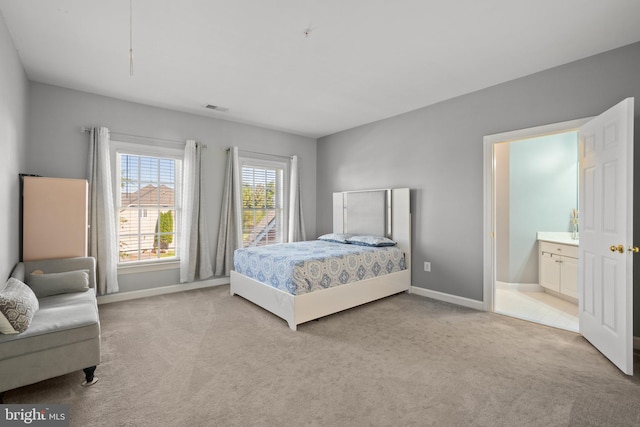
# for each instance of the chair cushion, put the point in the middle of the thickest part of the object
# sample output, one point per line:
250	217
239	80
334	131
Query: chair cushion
62	319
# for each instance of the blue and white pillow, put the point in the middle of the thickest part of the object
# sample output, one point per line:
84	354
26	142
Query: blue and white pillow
365	240
336	237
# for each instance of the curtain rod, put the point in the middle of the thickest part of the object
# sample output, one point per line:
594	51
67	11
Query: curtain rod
263	154
86	129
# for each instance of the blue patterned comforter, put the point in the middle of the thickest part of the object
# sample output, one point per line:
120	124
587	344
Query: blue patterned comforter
302	267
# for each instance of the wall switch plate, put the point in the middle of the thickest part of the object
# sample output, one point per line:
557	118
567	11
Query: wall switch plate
427	266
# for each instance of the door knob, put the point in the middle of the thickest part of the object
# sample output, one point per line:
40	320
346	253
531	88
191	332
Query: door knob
620	249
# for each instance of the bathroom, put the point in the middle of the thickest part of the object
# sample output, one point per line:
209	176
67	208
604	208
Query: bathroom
536	187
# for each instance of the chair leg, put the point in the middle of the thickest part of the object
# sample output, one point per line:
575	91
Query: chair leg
89	378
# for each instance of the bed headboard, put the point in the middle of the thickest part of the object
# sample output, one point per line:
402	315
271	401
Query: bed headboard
383	212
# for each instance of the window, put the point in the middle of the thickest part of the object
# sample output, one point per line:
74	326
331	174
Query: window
263	202
147	204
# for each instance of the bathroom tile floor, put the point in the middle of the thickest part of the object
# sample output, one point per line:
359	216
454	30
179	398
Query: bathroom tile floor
537	306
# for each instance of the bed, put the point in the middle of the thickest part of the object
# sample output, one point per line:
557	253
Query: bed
300	295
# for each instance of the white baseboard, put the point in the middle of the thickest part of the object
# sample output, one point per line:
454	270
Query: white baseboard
125	296
453	299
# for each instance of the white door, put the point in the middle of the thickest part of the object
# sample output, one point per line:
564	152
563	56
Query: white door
605	277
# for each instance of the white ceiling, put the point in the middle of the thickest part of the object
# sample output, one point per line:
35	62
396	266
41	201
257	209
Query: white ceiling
364	60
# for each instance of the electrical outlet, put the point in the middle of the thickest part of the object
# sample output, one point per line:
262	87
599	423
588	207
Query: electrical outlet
427	266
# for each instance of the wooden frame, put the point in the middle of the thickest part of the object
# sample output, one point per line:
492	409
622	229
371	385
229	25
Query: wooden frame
297	309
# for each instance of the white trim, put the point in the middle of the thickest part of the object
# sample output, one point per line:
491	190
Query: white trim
283	165
155	151
488	258
489	261
146	150
134	268
453	299
144	293
537	131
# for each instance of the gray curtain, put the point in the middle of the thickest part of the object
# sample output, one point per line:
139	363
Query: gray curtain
296	221
194	243
230	233
103	242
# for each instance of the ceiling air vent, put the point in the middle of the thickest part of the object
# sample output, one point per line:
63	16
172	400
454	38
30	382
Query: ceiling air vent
217	108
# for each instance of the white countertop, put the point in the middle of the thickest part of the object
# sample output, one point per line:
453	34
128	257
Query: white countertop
558	237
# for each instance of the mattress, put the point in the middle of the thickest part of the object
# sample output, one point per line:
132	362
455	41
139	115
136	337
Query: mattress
302	267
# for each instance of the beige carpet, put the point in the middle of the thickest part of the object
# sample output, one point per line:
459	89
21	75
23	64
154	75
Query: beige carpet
204	358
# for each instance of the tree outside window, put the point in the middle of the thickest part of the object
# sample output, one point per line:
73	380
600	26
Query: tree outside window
147	209
262	204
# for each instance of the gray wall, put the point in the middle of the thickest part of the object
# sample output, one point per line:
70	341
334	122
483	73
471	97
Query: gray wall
437	151
14	95
543	191
57	148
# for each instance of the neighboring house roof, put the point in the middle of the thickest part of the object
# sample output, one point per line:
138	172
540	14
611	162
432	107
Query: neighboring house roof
265	231
149	195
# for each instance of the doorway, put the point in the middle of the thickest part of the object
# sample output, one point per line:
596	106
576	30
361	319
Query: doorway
533	190
605	271
536	201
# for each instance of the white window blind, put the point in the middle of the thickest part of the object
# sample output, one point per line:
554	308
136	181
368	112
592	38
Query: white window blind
263	210
148	211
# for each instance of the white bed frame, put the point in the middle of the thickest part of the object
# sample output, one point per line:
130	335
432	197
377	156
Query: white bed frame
392	216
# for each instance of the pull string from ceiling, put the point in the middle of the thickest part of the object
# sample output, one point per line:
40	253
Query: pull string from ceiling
131	38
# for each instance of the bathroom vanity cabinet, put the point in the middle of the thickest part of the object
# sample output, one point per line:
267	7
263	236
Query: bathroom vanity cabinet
558	264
